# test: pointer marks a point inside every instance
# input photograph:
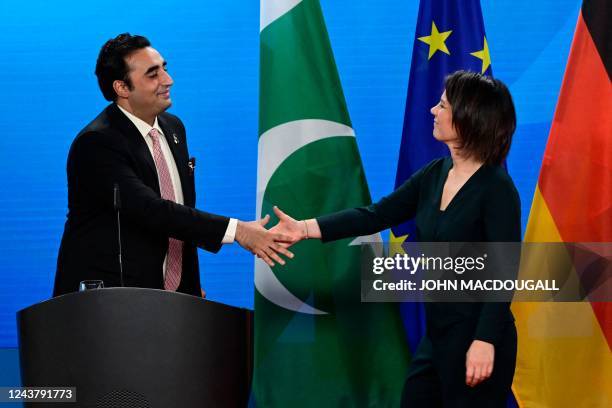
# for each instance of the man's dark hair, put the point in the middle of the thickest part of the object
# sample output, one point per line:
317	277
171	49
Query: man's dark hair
483	115
111	65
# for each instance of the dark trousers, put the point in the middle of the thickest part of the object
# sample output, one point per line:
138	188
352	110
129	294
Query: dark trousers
436	377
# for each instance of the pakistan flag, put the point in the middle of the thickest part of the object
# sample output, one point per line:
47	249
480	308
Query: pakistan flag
316	344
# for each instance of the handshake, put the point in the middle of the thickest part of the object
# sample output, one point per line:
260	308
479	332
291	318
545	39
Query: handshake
270	244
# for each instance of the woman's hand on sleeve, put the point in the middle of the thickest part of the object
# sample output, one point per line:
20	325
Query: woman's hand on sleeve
297	230
479	362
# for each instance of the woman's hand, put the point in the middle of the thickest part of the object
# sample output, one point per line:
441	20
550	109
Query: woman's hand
479	362
266	244
294	229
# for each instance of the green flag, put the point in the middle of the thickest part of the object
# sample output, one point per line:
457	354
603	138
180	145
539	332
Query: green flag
316	344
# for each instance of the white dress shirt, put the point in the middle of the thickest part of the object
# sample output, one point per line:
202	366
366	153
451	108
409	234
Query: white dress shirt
144	128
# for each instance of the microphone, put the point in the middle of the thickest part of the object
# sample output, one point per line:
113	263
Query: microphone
117	208
116	197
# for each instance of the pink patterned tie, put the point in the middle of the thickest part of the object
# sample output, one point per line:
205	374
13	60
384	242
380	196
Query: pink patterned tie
174	260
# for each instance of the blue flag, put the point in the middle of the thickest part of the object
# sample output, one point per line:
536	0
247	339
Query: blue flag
449	36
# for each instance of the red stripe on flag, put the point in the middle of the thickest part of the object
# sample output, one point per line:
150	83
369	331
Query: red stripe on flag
576	175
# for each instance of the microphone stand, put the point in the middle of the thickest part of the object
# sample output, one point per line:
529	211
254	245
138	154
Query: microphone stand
117	207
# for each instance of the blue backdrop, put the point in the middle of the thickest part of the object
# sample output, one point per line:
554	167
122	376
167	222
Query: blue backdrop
47	59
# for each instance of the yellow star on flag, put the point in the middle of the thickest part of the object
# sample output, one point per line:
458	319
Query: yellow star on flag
484	56
397	241
395	244
436	40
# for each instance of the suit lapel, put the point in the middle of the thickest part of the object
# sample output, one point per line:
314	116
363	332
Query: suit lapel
139	147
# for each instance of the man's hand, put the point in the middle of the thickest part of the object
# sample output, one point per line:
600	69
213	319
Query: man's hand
479	362
253	237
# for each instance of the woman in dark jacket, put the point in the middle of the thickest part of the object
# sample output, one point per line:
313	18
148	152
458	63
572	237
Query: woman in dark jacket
468	355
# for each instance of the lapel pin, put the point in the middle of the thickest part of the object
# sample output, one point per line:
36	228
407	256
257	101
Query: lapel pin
175	138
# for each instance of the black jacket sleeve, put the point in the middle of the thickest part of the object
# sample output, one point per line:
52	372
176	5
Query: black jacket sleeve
397	207
502	223
99	159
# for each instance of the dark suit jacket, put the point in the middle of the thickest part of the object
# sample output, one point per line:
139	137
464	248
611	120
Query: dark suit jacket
485	209
111	150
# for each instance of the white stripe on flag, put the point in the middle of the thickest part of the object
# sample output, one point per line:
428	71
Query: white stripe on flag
271	10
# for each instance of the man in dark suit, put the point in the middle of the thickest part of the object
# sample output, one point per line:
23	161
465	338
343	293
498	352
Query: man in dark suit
137	149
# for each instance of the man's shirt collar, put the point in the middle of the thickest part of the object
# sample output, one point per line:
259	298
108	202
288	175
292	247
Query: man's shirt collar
143	127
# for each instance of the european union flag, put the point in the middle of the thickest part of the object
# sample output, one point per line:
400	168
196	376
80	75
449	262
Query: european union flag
449	36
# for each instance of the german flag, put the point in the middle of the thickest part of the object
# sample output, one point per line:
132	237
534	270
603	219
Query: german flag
565	349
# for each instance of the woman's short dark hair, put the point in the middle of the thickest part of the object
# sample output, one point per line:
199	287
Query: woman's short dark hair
111	65
483	115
